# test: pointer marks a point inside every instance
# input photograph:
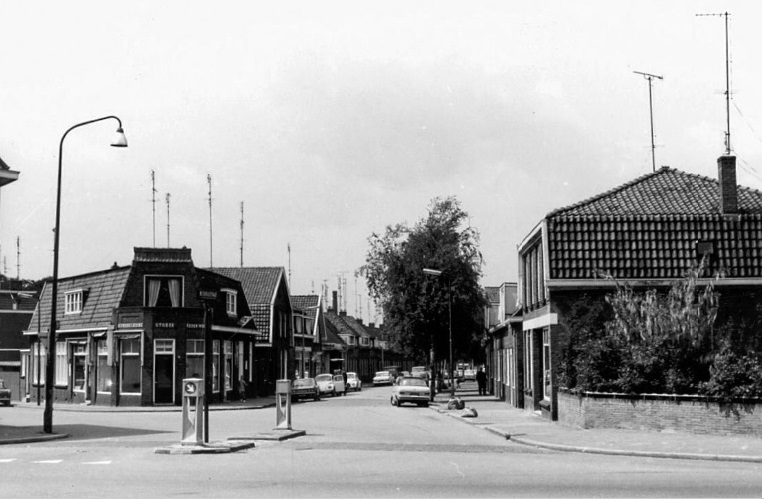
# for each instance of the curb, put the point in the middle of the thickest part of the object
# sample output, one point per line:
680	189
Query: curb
604	451
33	439
144	409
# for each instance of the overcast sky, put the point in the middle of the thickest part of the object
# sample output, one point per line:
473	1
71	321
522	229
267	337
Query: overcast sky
330	120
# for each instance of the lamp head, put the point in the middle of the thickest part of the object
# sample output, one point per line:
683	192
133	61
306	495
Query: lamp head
432	272
120	141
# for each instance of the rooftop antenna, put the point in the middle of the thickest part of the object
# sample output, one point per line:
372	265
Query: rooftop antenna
153	210
18	257
289	256
209	199
727	137
649	79
241	241
167	198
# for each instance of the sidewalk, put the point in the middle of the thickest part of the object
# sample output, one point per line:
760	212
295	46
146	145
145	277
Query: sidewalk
16	434
530	429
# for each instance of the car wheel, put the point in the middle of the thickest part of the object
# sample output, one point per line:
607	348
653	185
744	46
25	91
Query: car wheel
334	394
398	403
392	400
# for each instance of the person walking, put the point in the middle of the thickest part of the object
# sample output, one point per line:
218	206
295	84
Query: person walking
243	388
481	381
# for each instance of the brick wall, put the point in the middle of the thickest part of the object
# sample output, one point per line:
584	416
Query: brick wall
660	413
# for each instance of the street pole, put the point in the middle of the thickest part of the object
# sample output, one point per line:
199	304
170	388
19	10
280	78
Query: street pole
207	370
450	344
50	362
432	368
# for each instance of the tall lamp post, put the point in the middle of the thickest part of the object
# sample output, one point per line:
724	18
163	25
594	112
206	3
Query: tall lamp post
120	141
436	272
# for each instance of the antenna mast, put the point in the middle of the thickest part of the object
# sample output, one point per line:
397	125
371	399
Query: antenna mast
728	135
167	197
18	257
649	79
289	256
209	199
153	210
241	244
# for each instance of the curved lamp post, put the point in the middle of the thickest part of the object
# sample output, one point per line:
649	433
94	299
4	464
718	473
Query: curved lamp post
120	141
436	272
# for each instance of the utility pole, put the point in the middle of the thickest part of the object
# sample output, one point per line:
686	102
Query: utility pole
167	197
209	199
728	135
649	79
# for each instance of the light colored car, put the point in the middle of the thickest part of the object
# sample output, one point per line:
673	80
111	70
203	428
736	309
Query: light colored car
330	384
305	388
410	390
354	382
469	374
384	377
419	371
5	393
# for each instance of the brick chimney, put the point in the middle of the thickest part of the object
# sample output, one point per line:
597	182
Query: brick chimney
334	301
727	185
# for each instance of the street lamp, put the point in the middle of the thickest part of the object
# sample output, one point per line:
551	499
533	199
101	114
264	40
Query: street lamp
120	141
436	272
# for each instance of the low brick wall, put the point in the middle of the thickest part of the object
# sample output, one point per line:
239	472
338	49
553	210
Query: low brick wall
693	414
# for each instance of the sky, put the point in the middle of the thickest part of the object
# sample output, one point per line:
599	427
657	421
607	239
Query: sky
330	120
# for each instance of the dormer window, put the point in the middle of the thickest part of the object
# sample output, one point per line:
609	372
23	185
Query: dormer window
163	291
365	341
73	302
230	301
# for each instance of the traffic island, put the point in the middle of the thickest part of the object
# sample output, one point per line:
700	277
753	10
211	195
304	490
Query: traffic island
275	435
217	447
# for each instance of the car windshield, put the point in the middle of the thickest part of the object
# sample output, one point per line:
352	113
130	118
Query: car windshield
303	382
382	374
352	376
323	378
419	382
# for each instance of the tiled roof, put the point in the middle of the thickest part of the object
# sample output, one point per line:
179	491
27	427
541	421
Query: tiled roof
357	326
259	283
492	293
650	228
332	334
338	324
22	300
161	254
666	192
102	293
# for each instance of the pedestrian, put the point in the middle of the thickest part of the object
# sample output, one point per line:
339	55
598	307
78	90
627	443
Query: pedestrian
481	381
243	388
345	381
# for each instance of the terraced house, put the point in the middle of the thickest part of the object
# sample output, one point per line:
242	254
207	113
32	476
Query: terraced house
647	232
129	335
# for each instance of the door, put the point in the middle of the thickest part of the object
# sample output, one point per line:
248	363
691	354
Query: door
164	371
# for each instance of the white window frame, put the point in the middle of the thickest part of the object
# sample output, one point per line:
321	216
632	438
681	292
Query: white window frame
215	367
77	353
227	368
230	301
73	300
197	351
163	352
180	277
546	360
138	355
62	365
41	360
102	351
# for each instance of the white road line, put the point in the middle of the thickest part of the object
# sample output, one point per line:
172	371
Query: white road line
47	462
104	462
6	460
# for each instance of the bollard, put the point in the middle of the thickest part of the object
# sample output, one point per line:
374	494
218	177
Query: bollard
192	431
284	405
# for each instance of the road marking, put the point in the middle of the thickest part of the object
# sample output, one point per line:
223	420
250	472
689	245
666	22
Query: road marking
6	460
103	462
47	462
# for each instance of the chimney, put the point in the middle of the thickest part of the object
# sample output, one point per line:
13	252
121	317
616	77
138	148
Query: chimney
334	300
727	185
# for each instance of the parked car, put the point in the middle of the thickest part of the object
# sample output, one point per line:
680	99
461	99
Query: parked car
419	371
383	377
410	390
5	393
354	382
305	388
470	374
330	384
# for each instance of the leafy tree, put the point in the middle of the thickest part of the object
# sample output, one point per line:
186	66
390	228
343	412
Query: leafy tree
416	304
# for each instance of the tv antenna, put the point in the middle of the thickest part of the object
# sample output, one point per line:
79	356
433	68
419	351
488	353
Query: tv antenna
728	137
209	200
153	210
649	79
167	198
241	244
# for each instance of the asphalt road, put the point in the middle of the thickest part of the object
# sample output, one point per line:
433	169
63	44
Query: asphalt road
358	446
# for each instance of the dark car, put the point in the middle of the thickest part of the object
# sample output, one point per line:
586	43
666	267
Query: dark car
305	388
5	393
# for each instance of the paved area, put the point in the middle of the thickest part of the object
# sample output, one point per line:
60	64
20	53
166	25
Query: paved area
533	430
496	417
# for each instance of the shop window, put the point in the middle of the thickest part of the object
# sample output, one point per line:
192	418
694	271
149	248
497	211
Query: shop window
62	366
79	353
163	291
24	363
228	360
130	364
215	366
547	365
37	368
194	358
73	302
103	370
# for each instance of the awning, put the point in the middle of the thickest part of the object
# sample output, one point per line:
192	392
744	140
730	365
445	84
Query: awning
127	336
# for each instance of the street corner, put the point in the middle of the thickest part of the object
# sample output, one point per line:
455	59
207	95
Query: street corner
230	446
275	435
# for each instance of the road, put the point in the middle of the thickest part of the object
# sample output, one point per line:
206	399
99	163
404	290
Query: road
358	446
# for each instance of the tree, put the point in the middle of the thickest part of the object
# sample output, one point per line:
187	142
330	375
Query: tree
415	305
